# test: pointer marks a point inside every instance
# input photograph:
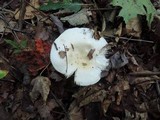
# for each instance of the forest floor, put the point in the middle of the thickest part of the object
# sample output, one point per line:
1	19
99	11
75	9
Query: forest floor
30	87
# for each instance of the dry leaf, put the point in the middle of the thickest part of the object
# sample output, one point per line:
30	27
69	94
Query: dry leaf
133	27
79	18
62	54
55	76
3	26
96	97
4	115
45	109
22	115
75	112
111	76
41	86
41	32
118	32
30	10
144	82
119	88
135	116
105	105
90	54
118	60
90	94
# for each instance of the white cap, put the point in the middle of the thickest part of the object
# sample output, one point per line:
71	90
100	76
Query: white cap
76	51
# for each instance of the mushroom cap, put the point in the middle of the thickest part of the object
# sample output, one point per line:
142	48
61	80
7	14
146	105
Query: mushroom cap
76	51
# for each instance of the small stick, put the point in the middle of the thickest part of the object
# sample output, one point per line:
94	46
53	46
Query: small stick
66	59
124	38
144	73
21	14
44	69
101	9
61	105
157	88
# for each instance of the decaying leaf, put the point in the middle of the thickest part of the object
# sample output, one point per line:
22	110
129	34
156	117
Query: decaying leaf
118	60
119	88
144	82
62	54
105	105
4	25
22	115
118	32
133	64
30	10
79	18
136	115
41	32
75	112
110	77
45	109
55	76
90	94
133	27
90	54
41	86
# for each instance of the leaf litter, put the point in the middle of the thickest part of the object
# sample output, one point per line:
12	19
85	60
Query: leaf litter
32	89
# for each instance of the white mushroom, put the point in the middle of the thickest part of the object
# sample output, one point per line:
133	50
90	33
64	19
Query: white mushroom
76	51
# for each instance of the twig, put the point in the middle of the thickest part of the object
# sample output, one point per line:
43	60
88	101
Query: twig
21	14
58	23
129	39
158	88
5	10
101	9
61	105
7	80
144	73
35	8
44	69
8	3
66	58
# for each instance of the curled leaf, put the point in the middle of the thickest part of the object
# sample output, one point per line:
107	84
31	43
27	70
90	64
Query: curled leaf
3	73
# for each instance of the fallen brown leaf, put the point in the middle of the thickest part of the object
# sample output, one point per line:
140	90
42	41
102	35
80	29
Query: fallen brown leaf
90	94
62	54
75	112
133	27
41	86
30	10
118	32
105	105
110	77
118	60
45	109
119	88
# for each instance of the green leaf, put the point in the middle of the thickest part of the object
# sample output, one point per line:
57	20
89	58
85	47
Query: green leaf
16	51
74	7
12	43
132	8
3	73
23	44
18	47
